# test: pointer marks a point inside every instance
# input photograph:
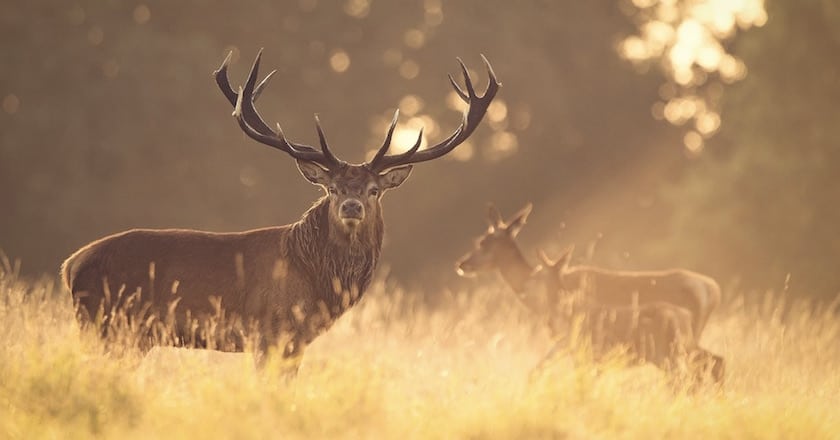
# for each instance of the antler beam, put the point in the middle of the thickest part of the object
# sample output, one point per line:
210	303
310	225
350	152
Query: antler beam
477	107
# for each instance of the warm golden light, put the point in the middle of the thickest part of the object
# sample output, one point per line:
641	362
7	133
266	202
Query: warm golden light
687	37
405	135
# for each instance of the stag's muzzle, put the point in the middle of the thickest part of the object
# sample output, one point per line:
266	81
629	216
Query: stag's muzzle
465	268
351	212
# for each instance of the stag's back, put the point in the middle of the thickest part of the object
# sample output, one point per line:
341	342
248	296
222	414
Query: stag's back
191	266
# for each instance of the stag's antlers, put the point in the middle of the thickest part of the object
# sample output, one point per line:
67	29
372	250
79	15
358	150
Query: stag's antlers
477	107
255	127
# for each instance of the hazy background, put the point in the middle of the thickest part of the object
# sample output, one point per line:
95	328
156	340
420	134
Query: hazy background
695	133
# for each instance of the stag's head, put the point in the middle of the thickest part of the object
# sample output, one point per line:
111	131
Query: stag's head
497	247
353	190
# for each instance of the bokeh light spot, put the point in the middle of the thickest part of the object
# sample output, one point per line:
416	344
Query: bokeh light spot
142	14
357	8
95	35
110	69
340	61
708	123
693	142
414	38
11	104
248	177
497	111
410	105
409	69
76	15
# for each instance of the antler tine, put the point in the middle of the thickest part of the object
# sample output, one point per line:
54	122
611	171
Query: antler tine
252	118
477	108
398	158
490	72
244	111
387	144
461	93
222	79
224	85
259	89
328	155
272	140
467	79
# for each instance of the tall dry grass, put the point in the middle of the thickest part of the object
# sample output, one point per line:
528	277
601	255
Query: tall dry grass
395	367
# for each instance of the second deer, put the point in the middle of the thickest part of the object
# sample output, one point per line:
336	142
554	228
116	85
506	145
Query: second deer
656	317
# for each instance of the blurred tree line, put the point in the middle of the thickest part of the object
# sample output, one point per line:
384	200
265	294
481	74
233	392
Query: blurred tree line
111	120
765	198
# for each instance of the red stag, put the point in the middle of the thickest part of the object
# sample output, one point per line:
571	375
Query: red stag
288	281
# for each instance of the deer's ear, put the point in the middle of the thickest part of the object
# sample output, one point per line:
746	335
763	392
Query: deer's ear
566	258
494	218
313	172
394	177
518	221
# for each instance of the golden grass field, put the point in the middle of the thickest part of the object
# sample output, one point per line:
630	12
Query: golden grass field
394	367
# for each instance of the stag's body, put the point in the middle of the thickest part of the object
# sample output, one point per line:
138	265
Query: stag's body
260	276
290	281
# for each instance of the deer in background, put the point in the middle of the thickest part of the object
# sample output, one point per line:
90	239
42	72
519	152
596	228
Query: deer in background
288	281
654	329
658	332
497	250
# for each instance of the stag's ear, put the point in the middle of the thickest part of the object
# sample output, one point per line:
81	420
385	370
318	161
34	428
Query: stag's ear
313	172
518	221
394	177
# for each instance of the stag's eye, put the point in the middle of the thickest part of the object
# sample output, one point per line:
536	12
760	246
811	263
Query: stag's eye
333	190
373	192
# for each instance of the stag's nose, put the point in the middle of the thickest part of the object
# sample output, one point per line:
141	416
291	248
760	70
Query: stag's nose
352	209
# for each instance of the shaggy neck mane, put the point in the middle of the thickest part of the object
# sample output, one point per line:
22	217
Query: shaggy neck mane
334	260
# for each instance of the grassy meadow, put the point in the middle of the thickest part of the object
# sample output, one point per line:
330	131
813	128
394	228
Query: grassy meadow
397	367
